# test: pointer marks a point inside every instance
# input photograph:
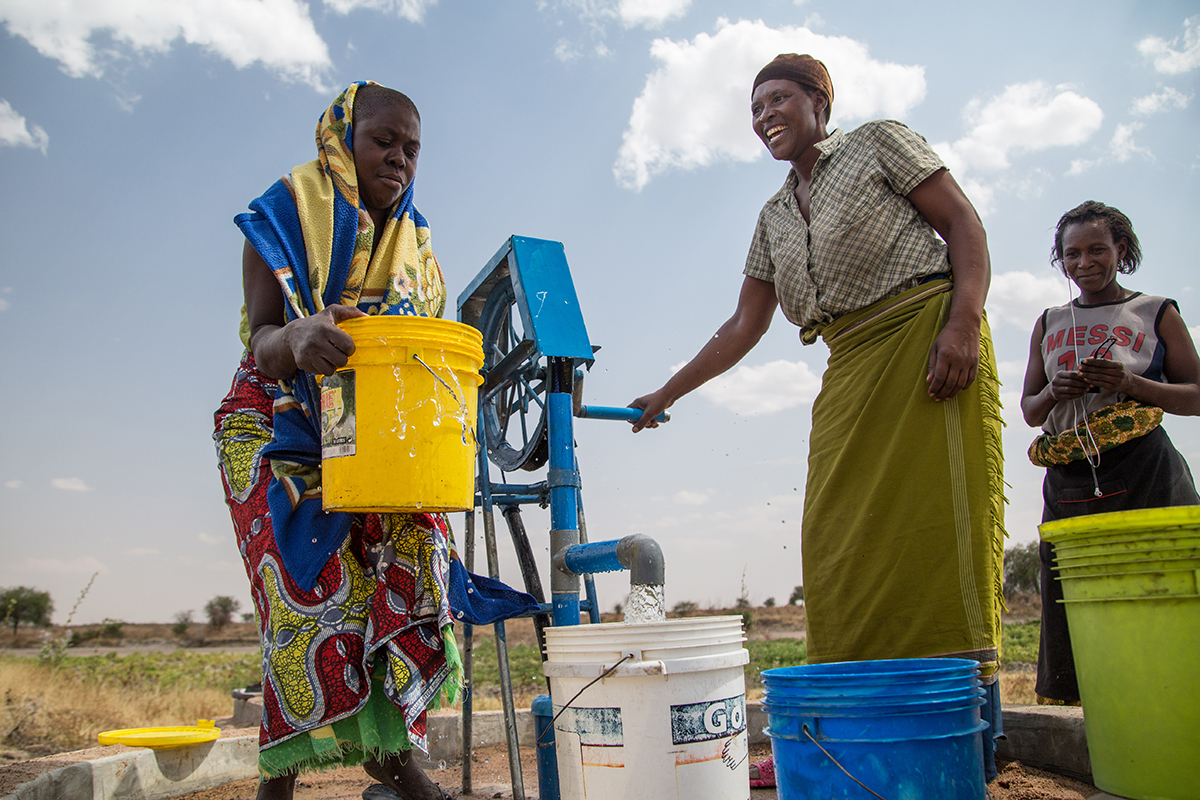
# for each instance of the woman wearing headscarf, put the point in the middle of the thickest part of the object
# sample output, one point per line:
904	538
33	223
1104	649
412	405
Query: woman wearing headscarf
353	608
902	535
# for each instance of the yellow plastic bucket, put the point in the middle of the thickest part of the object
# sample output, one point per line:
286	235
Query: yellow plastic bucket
1134	615
398	421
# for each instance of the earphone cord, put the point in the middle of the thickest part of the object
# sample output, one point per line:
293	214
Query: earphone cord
1080	405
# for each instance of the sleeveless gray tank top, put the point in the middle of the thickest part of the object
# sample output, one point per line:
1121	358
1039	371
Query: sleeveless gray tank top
1127	328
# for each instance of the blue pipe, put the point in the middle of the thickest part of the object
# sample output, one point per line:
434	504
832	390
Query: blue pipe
618	414
542	709
593	557
563	480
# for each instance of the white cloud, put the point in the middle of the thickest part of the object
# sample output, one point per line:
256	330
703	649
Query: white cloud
70	485
210	539
1025	117
15	131
694	110
650	13
1164	55
142	551
1157	102
1120	149
276	33
765	389
1017	298
84	565
686	498
566	51
1195	332
411	10
13	484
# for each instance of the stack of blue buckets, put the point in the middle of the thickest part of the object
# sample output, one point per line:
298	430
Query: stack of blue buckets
904	729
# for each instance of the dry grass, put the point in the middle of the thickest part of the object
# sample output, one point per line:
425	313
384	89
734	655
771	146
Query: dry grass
1016	685
48	711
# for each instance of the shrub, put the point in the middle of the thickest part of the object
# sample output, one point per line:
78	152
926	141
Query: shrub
797	596
684	607
183	621
769	602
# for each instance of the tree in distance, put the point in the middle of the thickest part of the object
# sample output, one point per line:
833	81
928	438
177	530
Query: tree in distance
24	605
220	611
1022	568
797	596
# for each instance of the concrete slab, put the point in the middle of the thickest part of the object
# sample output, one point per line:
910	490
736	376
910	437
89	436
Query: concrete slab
143	774
1047	737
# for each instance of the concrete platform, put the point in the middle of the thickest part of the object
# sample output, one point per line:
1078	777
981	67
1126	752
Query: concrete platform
144	774
1051	738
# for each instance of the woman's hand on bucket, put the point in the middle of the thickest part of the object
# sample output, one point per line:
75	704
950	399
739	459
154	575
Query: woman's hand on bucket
314	344
317	344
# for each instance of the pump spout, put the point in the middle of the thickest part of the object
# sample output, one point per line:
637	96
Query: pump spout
642	556
637	553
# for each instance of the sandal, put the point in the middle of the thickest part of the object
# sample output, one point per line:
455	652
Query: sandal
766	774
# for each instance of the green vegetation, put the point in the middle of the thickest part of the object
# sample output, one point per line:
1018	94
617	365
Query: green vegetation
1019	642
22	605
771	654
183	621
162	672
220	611
1022	568
523	662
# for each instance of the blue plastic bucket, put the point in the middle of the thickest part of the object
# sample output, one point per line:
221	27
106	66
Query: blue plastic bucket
906	728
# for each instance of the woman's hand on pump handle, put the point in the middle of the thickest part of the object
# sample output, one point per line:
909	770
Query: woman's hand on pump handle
651	406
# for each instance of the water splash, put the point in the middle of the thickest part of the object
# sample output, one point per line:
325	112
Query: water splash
647	603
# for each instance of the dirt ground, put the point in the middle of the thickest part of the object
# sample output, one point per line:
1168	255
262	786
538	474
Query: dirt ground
490	779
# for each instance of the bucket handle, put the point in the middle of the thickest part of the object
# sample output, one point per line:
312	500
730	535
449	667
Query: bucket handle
835	761
436	377
567	704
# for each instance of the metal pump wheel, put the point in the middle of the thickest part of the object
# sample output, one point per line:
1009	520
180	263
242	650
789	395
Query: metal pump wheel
512	399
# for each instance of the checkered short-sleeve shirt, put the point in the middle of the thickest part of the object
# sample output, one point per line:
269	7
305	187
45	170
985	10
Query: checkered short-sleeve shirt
865	241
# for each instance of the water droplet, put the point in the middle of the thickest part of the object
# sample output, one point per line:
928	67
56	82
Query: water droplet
412	453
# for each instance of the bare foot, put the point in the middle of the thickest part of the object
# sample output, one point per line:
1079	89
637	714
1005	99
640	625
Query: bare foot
281	788
400	773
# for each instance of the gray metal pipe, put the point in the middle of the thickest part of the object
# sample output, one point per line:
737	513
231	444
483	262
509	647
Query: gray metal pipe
642	556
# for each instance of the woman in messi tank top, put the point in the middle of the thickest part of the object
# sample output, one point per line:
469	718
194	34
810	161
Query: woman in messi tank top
1102	371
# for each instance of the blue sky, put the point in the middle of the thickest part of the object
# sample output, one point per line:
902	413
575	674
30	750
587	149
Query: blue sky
131	133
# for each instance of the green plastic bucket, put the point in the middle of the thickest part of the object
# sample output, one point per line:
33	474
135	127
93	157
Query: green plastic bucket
1134	614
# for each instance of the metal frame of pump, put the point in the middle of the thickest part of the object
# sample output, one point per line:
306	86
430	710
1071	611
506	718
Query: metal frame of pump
554	345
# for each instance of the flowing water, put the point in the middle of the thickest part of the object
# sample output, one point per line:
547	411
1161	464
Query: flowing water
647	603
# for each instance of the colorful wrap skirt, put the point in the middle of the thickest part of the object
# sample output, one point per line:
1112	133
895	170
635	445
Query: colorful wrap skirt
350	667
903	536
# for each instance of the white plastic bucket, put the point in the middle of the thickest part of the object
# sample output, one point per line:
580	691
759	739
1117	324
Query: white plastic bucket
669	722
